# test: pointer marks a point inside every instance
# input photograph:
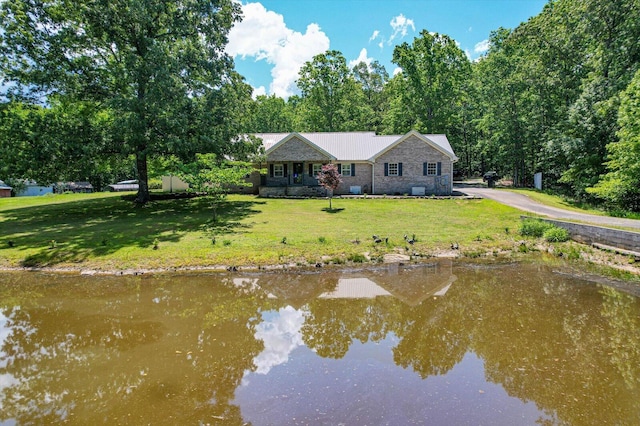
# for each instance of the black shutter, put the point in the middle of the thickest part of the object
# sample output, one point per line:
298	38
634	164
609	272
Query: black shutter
310	169
339	168
353	169
425	169
386	169
286	171
439	168
270	170
399	169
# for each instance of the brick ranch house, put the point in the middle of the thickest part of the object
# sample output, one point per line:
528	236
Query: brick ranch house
413	163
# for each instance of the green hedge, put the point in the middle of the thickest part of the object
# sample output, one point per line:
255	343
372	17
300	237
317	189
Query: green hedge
538	228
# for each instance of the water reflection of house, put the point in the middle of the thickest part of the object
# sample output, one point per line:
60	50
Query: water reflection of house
411	285
355	288
414	285
297	290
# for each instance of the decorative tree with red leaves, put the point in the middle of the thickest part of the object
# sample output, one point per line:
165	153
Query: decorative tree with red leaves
329	179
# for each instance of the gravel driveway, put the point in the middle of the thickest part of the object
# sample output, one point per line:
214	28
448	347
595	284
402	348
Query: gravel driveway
525	203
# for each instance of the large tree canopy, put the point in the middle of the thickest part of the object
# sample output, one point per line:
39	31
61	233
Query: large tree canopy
48	144
159	66
620	187
332	101
435	69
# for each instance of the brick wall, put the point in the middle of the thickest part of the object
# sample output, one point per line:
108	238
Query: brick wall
362	179
297	150
412	153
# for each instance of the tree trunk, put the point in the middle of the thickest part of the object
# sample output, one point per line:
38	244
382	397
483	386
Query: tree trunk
143	196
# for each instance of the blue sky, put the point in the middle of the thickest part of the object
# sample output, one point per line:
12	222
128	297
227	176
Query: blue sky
277	36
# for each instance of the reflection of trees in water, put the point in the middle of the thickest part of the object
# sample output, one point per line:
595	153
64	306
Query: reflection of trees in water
621	312
551	348
434	340
127	353
138	350
541	339
332	324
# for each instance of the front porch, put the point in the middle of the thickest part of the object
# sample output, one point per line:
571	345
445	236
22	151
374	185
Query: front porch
292	179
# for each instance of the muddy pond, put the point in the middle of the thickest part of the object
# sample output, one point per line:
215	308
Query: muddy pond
440	344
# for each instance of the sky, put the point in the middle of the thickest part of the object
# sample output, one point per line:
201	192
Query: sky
276	37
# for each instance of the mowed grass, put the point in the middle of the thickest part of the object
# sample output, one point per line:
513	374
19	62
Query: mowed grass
108	231
557	201
563	203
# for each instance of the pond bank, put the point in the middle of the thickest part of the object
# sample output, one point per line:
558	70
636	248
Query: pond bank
583	257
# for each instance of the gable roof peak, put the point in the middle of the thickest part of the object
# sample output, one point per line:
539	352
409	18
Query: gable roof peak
354	146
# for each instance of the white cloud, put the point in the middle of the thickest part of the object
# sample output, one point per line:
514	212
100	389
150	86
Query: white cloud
400	25
264	35
6	380
281	335
481	47
374	36
397	71
258	91
362	57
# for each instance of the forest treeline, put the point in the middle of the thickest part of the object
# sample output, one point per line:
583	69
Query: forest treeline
559	94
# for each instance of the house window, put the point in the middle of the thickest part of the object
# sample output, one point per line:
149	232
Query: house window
278	170
432	169
393	169
317	168
346	170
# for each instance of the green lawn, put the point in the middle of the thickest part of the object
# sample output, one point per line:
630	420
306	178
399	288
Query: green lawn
557	201
108	231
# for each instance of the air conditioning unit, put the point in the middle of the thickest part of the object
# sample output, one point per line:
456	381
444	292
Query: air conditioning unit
418	190
356	190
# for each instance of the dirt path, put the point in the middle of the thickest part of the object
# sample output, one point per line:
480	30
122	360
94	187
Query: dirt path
525	203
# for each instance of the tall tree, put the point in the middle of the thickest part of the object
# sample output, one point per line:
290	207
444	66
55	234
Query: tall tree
331	99
505	98
549	89
620	187
372	79
156	64
270	114
49	144
612	55
435	69
400	117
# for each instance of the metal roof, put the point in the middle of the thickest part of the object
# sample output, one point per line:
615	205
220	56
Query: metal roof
4	185
124	187
355	146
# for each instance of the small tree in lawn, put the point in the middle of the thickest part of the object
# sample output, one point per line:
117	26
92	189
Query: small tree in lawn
329	178
214	179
